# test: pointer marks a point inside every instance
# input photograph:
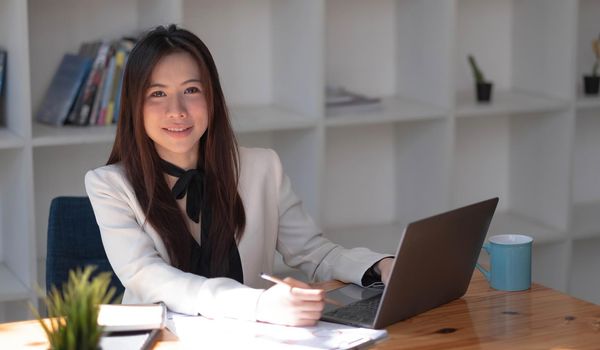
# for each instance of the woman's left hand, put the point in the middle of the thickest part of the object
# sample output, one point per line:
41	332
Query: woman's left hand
385	269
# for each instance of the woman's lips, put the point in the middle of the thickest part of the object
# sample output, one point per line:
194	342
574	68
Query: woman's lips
178	131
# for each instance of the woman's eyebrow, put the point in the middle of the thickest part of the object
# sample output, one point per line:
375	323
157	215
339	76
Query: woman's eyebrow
193	80
153	85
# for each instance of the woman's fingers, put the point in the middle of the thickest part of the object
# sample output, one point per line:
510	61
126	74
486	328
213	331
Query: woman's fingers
317	306
291	304
310	315
308	294
296	283
385	268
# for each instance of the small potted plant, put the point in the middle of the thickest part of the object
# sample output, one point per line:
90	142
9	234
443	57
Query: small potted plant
73	322
482	87
591	83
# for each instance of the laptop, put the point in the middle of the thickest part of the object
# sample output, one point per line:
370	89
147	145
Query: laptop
434	265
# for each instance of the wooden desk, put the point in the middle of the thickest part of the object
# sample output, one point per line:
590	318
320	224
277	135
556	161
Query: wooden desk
540	318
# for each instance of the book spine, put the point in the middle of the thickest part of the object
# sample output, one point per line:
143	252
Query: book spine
3	58
87	50
95	108
97	104
62	92
127	45
119	61
92	84
106	92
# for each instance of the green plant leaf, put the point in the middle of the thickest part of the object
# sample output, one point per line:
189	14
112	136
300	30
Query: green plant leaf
73	312
477	73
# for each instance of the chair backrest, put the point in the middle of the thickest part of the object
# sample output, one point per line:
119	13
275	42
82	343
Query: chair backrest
74	241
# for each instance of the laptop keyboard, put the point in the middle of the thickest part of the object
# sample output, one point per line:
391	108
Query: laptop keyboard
362	311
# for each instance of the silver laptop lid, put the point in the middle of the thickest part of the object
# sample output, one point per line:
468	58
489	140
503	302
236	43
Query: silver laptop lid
434	261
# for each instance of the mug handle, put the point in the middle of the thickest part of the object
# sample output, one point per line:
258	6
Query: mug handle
485	272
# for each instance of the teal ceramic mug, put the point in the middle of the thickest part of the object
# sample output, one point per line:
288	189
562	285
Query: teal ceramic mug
510	262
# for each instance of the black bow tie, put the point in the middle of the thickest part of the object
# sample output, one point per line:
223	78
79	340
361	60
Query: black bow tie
190	182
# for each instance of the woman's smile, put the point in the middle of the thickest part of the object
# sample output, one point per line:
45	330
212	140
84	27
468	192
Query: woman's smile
178	131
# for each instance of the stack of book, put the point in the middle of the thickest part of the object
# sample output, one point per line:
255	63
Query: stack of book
339	100
86	87
3	55
131	326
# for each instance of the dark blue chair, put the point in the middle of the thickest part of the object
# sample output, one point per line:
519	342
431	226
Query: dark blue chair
74	242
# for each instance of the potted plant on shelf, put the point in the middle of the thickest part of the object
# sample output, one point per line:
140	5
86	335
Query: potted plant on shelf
482	87
591	83
73	322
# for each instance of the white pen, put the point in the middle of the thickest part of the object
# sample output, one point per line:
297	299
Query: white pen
279	281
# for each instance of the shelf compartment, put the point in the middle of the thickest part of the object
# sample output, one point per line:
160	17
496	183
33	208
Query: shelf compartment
586	160
505	222
588	102
267	118
278	39
392	109
522	160
587	31
507	102
411	156
384	238
381	238
404	40
44	135
512	62
583	280
50	180
9	139
11	288
586	220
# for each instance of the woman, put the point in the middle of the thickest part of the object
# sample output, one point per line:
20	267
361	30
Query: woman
190	219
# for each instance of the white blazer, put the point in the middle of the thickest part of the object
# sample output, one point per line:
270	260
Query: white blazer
275	220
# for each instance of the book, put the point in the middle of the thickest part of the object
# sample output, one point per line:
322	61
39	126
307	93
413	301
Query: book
3	58
131	326
132	317
106	91
3	55
120	57
62	91
126	45
202	332
339	100
129	340
87	49
97	105
92	83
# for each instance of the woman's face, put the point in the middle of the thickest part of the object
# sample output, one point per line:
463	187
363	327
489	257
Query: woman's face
175	110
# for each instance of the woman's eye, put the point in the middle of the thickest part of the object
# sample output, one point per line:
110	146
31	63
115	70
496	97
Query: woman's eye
192	90
157	94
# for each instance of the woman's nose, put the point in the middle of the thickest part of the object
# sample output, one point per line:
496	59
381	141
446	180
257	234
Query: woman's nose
176	108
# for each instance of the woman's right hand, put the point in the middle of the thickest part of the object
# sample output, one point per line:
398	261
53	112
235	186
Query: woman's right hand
295	304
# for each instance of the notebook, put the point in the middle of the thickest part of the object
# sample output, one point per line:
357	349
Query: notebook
131	326
434	265
198	332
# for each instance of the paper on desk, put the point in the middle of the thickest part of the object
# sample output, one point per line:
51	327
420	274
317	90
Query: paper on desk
201	332
125	341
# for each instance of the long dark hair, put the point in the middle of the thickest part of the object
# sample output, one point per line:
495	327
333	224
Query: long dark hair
218	152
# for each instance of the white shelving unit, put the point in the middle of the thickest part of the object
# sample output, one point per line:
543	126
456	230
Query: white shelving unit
391	109
508	102
362	175
9	140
